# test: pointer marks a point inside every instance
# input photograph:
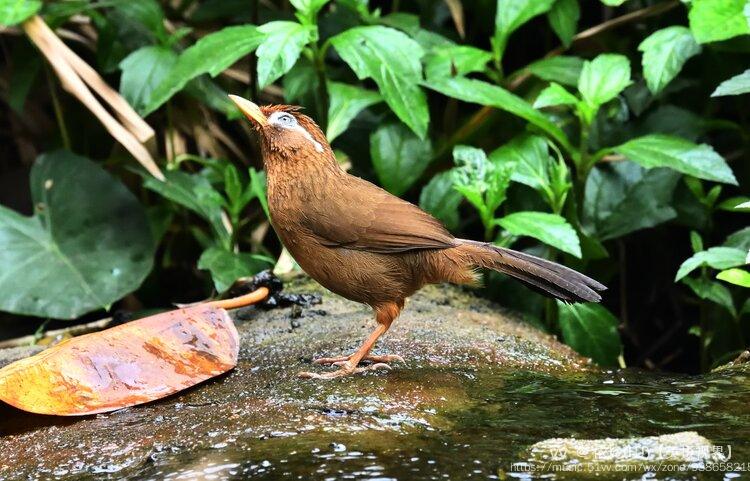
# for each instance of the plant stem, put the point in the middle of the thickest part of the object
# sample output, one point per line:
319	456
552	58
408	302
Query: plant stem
253	63
58	109
321	96
170	132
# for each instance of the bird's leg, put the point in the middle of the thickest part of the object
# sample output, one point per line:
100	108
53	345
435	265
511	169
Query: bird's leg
384	315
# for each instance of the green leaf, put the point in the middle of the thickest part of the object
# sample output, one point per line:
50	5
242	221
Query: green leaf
226	267
530	152
307	10
233	189
737	85
87	245
399	157
716	257
562	69
712	291
613	3
211	54
301	83
591	330
346	101
258	188
739	239
622	198
455	60
143	16
281	48
510	15
737	277
664	54
13	12
483	93
392	60
679	154
26	66
142	71
440	199
554	94
551	229
603	78
714	20
696	241
563	18
195	193
481	182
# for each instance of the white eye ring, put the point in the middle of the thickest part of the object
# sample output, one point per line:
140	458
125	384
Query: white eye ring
283	119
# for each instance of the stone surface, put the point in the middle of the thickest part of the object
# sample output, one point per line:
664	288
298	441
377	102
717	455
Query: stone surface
477	390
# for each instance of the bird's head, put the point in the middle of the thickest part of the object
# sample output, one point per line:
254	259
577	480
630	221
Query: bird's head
285	133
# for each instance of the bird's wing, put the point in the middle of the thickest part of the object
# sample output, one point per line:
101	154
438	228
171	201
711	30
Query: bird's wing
373	220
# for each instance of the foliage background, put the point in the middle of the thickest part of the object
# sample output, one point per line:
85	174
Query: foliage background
608	135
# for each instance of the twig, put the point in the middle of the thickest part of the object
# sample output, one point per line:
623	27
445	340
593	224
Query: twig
73	331
68	66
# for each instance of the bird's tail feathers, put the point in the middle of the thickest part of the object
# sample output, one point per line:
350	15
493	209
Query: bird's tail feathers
540	274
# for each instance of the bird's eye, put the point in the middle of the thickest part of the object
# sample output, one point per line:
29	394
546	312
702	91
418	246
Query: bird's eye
287	120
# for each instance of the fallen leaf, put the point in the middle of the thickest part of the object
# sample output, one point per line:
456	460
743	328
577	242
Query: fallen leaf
130	364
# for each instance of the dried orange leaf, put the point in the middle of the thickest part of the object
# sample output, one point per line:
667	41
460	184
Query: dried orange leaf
130	364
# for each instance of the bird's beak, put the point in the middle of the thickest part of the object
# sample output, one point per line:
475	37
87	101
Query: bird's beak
251	110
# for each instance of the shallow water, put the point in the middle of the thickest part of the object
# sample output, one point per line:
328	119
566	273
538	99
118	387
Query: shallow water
477	391
489	431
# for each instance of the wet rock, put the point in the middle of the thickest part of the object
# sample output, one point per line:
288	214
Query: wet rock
477	389
591	455
13	354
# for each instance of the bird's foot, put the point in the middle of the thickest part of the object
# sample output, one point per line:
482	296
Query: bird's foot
375	359
346	369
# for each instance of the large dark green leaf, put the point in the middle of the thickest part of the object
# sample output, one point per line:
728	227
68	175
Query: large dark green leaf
281	48
346	102
591	330
737	85
483	93
13	12
142	71
392	60
440	199
87	245
552	229
211	54
623	198
664	53
700	161
714	20
399	157
226	267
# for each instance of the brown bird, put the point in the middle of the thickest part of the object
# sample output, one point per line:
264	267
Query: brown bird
367	245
